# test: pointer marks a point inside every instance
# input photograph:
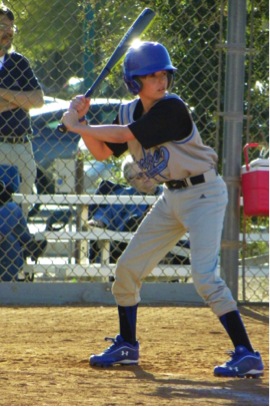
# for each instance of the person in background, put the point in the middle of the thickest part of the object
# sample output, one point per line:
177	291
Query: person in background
19	92
16	241
118	216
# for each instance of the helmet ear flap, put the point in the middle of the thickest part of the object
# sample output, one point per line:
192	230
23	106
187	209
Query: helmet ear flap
134	85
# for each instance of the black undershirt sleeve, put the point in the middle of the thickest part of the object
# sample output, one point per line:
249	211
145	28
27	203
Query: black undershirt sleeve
117	149
167	120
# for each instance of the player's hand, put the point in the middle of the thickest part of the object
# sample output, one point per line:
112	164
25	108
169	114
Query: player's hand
70	119
81	104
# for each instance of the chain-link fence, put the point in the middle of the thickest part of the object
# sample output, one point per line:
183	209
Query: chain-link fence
67	43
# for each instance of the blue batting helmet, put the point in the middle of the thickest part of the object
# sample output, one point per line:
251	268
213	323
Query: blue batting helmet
146	58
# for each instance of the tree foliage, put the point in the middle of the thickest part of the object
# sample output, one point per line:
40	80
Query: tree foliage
65	38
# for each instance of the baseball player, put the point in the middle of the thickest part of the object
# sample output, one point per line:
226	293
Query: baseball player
162	138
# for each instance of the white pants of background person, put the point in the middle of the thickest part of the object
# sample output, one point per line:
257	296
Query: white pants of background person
21	155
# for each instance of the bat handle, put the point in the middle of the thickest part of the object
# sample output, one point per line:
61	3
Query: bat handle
62	128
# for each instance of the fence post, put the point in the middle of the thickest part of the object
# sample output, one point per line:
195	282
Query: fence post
81	247
232	138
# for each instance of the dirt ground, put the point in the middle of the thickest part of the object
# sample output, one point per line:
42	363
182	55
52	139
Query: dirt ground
45	350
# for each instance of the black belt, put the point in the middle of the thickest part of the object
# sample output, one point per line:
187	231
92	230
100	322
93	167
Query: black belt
14	140
187	182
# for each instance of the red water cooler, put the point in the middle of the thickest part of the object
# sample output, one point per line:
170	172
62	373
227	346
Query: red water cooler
255	184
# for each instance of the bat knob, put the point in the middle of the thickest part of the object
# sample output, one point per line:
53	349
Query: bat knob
62	128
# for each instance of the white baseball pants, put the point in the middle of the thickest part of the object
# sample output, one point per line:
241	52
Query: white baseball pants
199	210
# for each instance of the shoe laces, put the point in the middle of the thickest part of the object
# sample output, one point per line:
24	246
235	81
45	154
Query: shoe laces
109	339
234	354
114	342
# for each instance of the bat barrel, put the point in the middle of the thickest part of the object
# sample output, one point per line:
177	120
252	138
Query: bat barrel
134	31
104	73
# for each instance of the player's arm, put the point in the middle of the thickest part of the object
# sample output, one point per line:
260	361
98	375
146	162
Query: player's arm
10	99
111	133
97	148
95	137
5	105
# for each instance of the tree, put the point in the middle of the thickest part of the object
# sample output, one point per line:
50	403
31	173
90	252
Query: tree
74	38
51	37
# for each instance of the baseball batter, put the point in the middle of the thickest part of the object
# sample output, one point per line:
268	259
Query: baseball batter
162	138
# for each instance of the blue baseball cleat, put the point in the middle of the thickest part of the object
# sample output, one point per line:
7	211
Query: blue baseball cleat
242	364
120	352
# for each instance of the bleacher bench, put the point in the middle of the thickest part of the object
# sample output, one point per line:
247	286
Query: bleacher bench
104	236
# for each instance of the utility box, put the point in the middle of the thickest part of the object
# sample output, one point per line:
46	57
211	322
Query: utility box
255	185
65	176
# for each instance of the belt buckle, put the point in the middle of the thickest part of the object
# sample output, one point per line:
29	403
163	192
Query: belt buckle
173	184
177	184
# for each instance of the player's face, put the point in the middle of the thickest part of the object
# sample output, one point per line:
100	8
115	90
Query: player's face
154	85
7	30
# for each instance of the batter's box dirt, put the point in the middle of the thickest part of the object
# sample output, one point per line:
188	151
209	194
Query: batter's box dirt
45	350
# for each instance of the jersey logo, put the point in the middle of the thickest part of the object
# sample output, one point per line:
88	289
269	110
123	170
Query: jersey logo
154	163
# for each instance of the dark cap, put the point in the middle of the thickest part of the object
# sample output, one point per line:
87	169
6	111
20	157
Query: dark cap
7	12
